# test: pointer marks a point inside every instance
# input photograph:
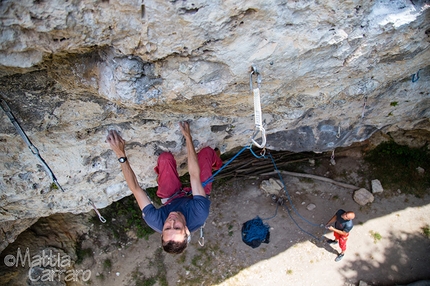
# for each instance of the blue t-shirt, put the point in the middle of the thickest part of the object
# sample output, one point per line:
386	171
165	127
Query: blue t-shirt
341	224
194	208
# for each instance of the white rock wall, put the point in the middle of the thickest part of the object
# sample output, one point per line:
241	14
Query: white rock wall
333	73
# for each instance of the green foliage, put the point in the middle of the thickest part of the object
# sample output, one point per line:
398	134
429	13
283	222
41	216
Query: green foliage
107	264
396	167
123	216
82	253
152	194
230	230
196	260
393	103
403	152
426	231
141	280
376	236
158	270
185	179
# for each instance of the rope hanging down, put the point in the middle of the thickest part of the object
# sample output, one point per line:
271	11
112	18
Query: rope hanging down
264	156
255	232
294	208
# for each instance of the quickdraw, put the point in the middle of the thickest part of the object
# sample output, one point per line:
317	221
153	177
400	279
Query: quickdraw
202	235
30	145
416	76
258	128
35	152
257	110
364	106
332	161
101	218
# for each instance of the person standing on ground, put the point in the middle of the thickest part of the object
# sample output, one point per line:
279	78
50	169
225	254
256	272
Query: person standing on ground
342	226
180	214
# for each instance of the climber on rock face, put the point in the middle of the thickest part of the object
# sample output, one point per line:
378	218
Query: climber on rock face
180	214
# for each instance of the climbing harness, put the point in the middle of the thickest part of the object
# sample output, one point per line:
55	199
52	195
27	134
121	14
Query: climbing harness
179	194
101	218
257	109
30	145
416	76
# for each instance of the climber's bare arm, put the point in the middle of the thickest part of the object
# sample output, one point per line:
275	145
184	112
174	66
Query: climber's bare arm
118	146
193	163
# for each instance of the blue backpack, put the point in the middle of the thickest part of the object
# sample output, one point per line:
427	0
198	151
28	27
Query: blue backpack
255	232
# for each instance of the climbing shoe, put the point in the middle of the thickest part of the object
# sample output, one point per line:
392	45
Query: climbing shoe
339	257
331	241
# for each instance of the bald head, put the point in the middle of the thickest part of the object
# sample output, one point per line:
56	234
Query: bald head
349	215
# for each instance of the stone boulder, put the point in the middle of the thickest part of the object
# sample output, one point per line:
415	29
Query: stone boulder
377	187
311	207
271	186
363	197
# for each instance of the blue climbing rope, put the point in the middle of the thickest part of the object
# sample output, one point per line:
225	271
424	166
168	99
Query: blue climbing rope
293	207
211	178
288	195
264	156
276	212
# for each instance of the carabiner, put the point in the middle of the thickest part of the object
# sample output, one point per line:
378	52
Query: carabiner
202	235
255	71
263	137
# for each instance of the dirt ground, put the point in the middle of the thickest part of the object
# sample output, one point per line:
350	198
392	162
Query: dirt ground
387	245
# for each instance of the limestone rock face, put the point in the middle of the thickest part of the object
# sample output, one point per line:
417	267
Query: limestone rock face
333	73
